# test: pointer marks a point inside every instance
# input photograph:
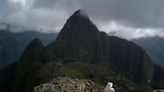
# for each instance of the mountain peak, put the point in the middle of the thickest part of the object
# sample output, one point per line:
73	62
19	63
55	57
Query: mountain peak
78	33
80	13
78	25
33	45
36	41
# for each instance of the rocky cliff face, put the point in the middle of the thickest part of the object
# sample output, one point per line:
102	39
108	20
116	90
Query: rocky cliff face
127	58
81	40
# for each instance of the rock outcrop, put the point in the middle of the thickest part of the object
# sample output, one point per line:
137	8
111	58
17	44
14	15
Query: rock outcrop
69	85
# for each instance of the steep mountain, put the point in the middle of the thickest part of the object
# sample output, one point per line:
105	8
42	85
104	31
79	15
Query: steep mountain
154	47
33	68
128	58
81	40
82	51
13	44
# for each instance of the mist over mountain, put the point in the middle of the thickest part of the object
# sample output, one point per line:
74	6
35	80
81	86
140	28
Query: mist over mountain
132	19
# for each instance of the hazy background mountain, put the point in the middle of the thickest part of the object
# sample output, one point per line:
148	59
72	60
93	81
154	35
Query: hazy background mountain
154	47
12	44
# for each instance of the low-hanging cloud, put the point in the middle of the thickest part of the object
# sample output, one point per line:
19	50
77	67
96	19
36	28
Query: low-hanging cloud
117	29
132	18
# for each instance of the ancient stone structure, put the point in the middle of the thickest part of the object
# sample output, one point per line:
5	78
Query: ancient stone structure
69	85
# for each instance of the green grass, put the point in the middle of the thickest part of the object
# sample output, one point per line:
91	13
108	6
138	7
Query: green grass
76	73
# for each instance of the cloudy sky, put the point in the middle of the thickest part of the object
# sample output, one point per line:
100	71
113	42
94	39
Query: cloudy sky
128	19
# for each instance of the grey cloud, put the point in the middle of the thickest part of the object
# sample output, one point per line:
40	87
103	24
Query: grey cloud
128	32
68	5
28	17
52	14
141	18
139	13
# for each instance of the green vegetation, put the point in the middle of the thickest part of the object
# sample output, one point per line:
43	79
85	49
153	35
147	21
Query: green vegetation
77	73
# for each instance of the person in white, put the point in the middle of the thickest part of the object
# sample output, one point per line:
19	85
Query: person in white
109	87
